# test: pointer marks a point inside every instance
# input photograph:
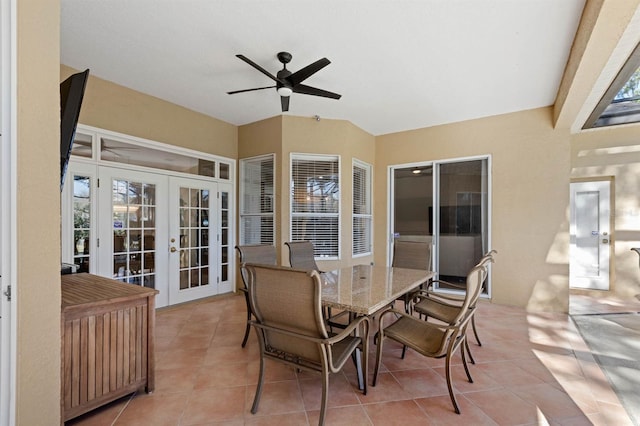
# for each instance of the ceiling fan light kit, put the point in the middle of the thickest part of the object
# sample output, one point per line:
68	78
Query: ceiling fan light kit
288	83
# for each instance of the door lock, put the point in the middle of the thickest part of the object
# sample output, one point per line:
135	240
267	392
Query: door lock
173	250
605	241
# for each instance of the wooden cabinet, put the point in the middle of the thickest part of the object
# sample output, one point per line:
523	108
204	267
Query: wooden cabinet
107	341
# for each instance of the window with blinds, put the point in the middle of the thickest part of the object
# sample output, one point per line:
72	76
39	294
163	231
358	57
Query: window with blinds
315	203
362	218
257	183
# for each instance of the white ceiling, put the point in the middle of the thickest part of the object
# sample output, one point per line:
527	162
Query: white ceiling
398	64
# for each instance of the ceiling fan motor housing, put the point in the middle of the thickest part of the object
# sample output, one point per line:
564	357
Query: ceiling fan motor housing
284	57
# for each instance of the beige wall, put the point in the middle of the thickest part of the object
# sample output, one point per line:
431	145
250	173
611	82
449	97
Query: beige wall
615	153
37	290
113	107
331	137
284	135
530	183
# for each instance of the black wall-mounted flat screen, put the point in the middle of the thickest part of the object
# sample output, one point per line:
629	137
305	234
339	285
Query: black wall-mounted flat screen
71	94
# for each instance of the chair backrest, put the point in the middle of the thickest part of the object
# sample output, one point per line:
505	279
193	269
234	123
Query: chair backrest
263	254
288	299
412	255
301	255
475	280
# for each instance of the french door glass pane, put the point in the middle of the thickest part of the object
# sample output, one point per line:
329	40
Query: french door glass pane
81	221
224	236
134	232
194	240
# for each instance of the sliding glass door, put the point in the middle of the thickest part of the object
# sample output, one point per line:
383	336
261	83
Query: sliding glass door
445	203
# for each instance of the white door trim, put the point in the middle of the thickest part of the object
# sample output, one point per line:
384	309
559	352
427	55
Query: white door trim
8	191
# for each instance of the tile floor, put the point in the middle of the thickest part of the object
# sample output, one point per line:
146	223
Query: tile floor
532	369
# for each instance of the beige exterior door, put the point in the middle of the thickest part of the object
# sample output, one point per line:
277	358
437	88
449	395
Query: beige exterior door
590	239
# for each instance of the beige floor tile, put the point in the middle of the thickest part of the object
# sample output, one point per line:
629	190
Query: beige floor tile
157	409
277	398
400	413
214	404
440	410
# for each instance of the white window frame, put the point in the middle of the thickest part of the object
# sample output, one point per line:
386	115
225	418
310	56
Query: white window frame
362	213
316	215
245	210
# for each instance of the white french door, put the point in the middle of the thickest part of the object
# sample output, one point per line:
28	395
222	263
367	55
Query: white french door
132	228
198	240
590	239
169	233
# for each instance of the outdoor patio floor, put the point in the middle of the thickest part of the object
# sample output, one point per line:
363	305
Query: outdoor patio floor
531	369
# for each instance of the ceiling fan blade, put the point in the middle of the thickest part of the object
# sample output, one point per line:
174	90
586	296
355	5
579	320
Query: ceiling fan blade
258	67
308	90
306	72
250	90
284	100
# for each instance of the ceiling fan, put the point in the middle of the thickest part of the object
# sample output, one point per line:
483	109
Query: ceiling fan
287	82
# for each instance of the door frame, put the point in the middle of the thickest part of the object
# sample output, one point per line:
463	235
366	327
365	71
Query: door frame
8	215
611	183
486	294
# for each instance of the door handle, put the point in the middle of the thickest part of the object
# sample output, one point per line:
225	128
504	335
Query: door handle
605	241
173	250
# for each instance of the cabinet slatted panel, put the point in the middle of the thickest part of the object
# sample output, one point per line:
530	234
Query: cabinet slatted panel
107	341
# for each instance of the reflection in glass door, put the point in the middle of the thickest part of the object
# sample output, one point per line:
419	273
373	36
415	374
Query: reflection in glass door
134	232
194	237
82	222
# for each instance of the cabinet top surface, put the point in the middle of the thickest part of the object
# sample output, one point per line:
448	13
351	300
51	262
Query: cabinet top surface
83	288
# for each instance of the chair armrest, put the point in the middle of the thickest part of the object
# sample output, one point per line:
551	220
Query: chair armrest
450	284
427	324
349	329
439	296
415	319
328	341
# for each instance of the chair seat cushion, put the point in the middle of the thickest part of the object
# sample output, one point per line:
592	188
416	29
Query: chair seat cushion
437	309
417	334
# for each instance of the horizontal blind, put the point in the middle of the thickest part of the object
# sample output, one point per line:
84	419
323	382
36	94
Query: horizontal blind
315	203
315	185
257	183
361	235
362	219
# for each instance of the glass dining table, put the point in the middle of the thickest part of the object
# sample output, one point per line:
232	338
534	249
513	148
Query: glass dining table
366	289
